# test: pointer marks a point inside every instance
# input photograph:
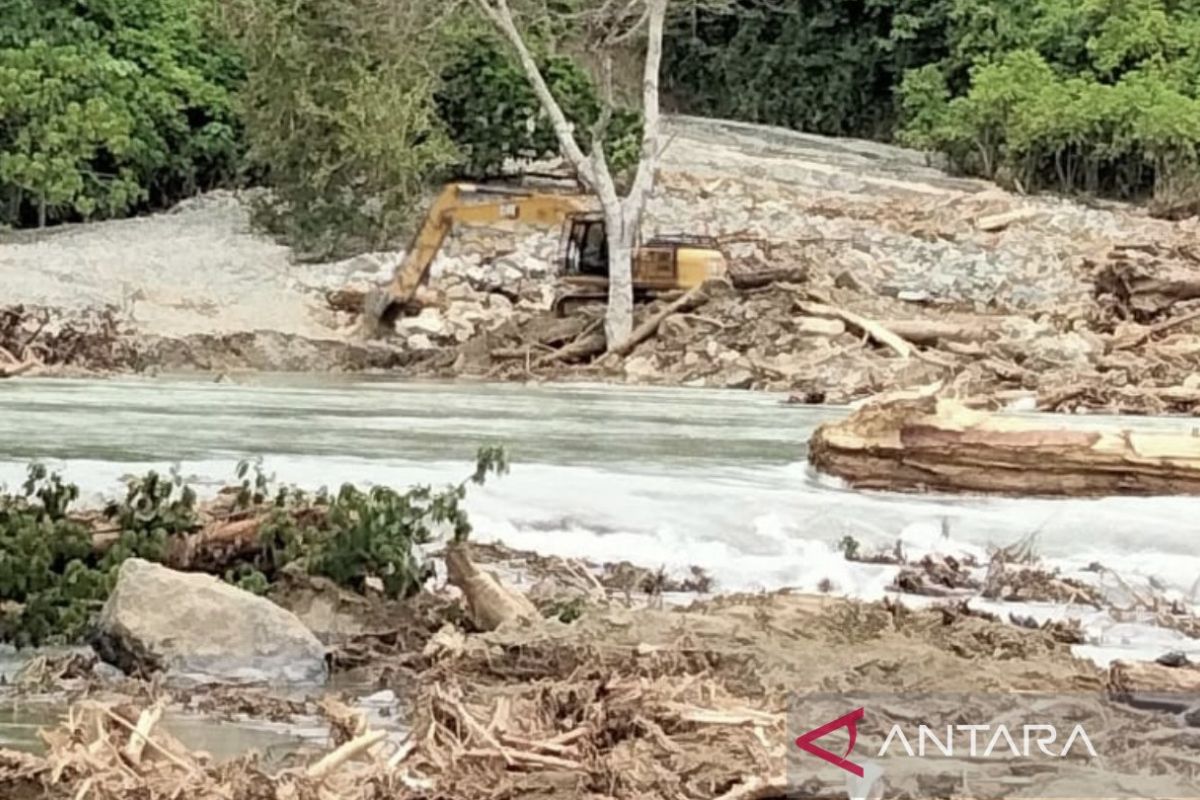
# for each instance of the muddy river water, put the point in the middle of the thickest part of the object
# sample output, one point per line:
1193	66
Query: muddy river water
671	477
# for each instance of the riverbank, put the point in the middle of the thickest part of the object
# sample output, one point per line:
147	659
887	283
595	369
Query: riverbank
910	278
612	694
662	678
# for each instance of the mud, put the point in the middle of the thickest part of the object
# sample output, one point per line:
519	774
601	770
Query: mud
620	703
628	698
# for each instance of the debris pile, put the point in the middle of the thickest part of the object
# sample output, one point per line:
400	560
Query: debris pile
95	339
622	703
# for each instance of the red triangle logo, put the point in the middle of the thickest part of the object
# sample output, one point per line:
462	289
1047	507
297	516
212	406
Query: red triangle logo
850	722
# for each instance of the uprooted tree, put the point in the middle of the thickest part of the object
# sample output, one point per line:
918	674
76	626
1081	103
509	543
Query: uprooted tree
613	23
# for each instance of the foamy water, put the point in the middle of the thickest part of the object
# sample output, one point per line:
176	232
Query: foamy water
659	477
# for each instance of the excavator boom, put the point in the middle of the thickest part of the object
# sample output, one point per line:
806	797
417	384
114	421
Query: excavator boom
455	205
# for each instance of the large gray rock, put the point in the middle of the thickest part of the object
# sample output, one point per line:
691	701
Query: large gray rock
194	625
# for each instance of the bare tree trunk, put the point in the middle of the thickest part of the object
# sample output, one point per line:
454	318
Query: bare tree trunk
618	317
622	217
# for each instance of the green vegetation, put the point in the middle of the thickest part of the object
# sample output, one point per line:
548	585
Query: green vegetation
339	114
111	106
54	577
492	114
850	548
825	66
1081	95
347	109
1099	96
350	109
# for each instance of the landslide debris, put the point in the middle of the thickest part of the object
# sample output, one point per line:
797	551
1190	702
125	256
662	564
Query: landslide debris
622	703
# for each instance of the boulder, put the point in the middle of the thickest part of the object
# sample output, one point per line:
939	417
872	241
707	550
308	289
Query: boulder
641	368
429	322
197	626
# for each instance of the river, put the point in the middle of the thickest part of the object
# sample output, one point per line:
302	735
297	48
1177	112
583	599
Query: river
669	477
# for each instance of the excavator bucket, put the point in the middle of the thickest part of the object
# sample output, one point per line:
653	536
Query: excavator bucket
376	304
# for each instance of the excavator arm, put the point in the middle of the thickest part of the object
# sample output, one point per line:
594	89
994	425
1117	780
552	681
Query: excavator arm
456	205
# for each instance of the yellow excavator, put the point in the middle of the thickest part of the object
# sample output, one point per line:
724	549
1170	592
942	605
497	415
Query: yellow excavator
661	264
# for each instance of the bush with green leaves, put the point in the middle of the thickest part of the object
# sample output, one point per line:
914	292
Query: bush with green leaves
1077	95
825	66
112	106
48	586
339	115
374	533
53	579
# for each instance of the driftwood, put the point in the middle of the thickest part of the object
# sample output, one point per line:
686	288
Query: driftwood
868	326
1148	280
940	445
934	332
766	277
998	222
489	604
1140	678
11	366
690	301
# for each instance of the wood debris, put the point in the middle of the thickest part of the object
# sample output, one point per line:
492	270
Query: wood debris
937	444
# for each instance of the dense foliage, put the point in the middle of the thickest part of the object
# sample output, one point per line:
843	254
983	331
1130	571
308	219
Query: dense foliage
350	109
493	115
109	106
339	113
1078	95
1093	95
825	66
53	576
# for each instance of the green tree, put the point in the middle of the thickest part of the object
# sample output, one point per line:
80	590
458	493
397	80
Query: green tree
339	113
111	106
1078	95
826	66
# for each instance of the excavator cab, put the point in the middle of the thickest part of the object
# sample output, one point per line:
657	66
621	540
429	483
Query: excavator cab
587	246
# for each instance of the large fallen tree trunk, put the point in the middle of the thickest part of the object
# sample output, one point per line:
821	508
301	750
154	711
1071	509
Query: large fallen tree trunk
940	445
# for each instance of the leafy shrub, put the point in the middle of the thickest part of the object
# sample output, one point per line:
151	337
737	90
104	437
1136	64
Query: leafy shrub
52	579
826	66
1078	95
339	114
109	107
46	585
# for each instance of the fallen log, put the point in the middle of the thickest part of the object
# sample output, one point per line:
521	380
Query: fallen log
868	326
933	444
11	366
19	369
934	332
489	603
1152	685
998	222
1148	289
765	277
690	301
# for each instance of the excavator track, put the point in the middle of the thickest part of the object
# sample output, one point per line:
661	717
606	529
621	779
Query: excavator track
570	301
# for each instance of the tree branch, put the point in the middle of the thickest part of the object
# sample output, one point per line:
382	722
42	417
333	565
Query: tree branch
643	182
500	15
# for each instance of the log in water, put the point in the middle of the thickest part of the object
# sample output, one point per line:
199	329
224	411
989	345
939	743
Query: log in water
939	445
